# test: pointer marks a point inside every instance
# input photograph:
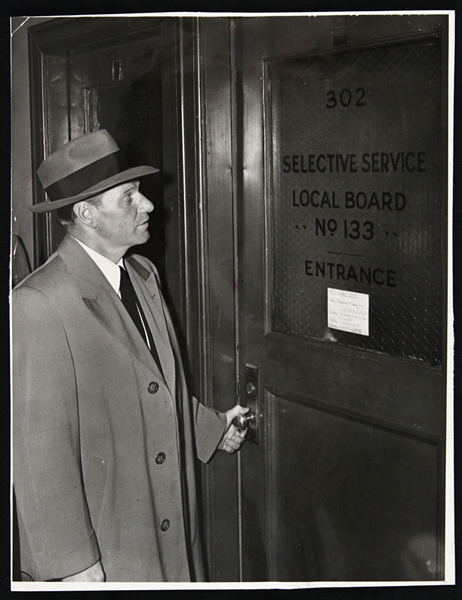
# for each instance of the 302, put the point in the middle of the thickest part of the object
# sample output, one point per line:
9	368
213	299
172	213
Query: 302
346	98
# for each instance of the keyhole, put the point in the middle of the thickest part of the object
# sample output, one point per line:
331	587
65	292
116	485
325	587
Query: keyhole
117	71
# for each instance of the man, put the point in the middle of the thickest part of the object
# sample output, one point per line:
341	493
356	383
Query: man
105	432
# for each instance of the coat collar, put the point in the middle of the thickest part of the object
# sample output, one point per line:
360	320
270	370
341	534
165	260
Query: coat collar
105	305
88	275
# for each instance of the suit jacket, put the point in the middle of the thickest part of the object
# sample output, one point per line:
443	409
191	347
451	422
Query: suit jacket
104	444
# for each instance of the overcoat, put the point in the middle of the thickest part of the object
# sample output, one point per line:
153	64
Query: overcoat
104	442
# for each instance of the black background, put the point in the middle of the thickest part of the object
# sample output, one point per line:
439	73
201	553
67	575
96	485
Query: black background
19	8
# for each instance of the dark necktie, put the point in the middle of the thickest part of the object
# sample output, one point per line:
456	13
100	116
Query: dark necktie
131	303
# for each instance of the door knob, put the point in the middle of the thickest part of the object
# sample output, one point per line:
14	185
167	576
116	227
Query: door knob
241	422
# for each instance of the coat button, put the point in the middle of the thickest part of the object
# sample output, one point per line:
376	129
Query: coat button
160	458
153	387
165	525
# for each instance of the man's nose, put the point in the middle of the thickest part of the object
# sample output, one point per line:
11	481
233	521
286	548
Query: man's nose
145	204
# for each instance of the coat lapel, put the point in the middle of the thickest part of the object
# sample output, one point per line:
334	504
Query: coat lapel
149	295
102	301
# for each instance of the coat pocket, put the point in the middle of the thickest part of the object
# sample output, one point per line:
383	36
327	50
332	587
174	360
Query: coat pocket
95	482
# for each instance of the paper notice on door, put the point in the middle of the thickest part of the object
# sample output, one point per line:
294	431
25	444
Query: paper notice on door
348	311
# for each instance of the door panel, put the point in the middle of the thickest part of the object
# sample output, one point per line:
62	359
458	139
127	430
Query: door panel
327	485
347	482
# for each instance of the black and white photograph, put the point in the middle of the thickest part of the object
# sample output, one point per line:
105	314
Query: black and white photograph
231	300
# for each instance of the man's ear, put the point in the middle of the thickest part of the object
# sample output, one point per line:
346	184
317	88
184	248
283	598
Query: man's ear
85	213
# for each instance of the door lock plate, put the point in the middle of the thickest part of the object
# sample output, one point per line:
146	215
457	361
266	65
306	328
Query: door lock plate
251	399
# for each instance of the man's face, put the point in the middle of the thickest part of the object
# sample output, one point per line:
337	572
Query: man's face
122	217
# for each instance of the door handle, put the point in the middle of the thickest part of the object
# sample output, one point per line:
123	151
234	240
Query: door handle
241	422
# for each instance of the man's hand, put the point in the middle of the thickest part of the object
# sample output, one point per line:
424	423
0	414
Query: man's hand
94	573
232	438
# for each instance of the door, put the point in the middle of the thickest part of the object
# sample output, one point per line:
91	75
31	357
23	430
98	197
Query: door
340	217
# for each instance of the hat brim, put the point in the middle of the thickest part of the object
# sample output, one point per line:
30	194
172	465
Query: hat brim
102	186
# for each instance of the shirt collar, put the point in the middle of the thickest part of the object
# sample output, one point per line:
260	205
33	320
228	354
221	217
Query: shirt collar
109	269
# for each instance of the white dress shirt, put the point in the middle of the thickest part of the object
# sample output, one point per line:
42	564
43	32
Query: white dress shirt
109	269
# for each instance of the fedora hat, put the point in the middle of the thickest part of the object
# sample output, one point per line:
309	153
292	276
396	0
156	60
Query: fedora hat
82	168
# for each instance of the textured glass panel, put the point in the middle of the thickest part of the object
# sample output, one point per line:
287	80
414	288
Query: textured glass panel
356	195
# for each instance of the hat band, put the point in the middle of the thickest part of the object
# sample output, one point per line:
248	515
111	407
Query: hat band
87	177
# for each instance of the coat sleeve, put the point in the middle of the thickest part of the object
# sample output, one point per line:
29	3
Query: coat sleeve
209	427
208	424
53	513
